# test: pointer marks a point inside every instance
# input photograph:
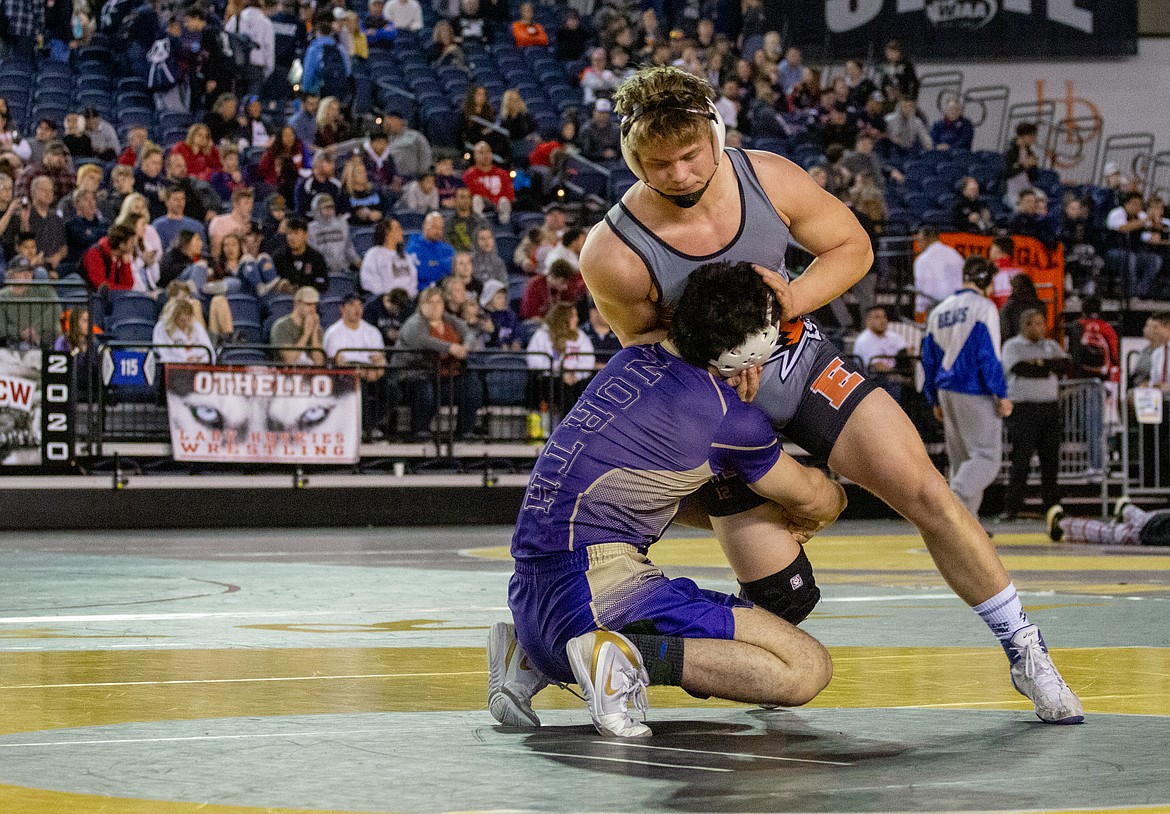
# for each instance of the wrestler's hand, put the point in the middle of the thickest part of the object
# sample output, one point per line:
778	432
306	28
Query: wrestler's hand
783	291
746	383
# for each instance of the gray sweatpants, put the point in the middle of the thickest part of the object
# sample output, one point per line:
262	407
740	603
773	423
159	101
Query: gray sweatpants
974	439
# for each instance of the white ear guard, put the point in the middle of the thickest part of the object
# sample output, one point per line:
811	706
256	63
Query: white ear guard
718	132
755	349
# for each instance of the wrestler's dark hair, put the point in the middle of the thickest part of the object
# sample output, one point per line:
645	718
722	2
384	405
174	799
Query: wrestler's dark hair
721	305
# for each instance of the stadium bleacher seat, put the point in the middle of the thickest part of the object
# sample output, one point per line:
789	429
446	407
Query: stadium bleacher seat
132	330
363	238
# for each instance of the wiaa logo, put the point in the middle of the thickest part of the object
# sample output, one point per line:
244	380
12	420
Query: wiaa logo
969	14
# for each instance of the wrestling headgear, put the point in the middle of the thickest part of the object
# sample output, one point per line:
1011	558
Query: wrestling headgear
755	349
979	271
718	137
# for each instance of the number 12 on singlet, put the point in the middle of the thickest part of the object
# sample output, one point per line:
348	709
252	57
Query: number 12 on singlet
836	383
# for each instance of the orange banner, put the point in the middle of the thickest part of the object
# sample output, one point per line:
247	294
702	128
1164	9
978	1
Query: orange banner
1045	267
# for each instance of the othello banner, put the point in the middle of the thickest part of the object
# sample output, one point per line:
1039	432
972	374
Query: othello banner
971	29
263	414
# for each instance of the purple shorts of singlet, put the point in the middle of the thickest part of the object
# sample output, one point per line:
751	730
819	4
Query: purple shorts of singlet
608	586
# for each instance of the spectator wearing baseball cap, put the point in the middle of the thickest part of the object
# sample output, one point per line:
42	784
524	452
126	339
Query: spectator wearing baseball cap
320	181
353	342
600	138
297	261
408	147
102	135
297	336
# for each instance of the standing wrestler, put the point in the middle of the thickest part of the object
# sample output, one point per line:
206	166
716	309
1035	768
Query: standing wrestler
697	202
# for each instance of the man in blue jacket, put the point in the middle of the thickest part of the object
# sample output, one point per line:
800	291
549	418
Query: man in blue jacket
432	254
965	383
327	68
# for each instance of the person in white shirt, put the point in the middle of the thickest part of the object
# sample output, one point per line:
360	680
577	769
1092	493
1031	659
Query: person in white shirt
561	347
253	23
405	14
386	265
880	349
353	342
877	346
938	272
1160	356
177	326
1130	221
569	250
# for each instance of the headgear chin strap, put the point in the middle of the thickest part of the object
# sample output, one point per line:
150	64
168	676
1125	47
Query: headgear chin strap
755	349
718	137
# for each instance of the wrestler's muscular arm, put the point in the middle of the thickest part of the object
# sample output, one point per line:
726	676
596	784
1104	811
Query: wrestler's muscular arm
822	225
621	286
809	499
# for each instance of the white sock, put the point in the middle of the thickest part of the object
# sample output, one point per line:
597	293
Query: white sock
1003	613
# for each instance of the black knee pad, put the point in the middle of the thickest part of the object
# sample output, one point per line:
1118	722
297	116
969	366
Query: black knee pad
791	594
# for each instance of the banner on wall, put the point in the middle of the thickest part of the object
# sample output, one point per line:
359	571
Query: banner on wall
20	407
263	414
1045	266
929	29
37	410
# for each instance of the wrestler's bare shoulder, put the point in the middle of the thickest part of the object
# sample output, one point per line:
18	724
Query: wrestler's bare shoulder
780	178
608	261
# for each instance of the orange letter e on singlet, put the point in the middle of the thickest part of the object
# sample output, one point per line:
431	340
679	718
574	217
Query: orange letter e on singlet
835	383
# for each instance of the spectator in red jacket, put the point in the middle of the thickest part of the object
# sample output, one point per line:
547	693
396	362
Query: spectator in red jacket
489	184
199	152
136	139
563	284
107	262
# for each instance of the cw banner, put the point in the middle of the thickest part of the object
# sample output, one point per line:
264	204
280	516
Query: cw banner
263	414
1045	266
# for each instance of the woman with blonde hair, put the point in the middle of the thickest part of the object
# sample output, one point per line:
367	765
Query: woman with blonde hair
200	152
514	116
443	49
177	326
365	203
148	246
561	347
331	127
353	39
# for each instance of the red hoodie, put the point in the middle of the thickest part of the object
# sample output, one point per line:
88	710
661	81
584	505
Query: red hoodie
101	266
492	184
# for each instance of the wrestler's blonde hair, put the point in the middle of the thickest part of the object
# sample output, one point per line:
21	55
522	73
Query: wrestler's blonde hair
659	99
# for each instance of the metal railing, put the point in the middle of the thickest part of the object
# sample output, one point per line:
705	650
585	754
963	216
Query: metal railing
1084	442
1145	448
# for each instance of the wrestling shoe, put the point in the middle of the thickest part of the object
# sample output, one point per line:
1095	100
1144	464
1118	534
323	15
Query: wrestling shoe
1119	508
610	672
1036	677
512	681
1055	515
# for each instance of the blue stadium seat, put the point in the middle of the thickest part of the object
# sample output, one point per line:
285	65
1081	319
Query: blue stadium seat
242	356
341	286
409	221
363	239
330	311
507	382
245	310
442	127
127	305
132	330
278	305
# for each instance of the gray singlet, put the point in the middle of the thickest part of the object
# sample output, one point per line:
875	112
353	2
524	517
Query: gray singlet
762	238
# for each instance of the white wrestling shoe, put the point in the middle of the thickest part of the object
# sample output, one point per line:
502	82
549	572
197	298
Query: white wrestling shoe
512	681
1036	677
610	672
